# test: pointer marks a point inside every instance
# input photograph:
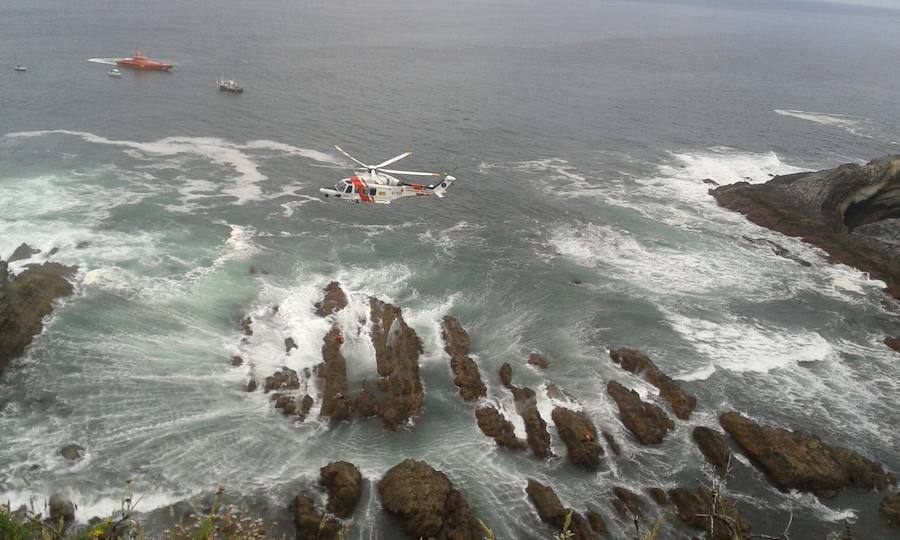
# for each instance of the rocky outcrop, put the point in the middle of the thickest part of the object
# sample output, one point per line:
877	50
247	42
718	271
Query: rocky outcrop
852	212
792	460
23	252
712	443
777	249
632	503
343	482
893	343
289	344
646	421
538	360
506	374
61	510
426	502
580	436
336	406
636	362
552	512
72	452
312	524
334	301
694	507
596	521
535	428
397	350
24	302
465	371
494	425
659	496
286	379
890	509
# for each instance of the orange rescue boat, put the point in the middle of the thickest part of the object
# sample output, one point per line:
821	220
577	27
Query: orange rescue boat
140	61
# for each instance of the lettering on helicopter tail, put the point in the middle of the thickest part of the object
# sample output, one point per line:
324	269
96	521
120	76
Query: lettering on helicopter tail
362	190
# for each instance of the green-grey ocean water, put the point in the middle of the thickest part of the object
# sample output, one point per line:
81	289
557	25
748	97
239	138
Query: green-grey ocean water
580	132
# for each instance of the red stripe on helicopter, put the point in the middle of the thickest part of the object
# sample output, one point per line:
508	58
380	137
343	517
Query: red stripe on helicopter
361	189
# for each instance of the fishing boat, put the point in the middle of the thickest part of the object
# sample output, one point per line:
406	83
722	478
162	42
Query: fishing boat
140	61
114	73
229	85
21	69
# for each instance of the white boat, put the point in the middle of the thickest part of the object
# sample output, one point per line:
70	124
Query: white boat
229	85
114	73
20	68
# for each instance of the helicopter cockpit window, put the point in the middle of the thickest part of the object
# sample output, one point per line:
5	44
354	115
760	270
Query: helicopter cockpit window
348	189
372	191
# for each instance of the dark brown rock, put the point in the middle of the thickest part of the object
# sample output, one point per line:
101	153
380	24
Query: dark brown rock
646	421
24	251
638	363
792	460
551	511
306	403
456	339
312	524
693	506
538	360
425	502
335	404
343	482
72	452
494	425
890	509
596	521
236	361
286	379
24	302
893	343
247	325
712	443
580	436
289	344
631	500
252	384
659	496
467	378
334	301
61	510
535	428
285	403
611	442
506	374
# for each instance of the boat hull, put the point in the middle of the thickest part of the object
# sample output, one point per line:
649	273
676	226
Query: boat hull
145	65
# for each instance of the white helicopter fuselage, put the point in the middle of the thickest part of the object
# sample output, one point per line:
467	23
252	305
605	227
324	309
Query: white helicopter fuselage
381	188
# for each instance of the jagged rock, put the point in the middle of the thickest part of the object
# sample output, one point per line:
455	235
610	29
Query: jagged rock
289	344
236	361
538	360
631	500
334	301
557	393
25	300
659	496
638	363
285	404
792	460
851	212
336	405
61	509
343	482
24	251
306	403
893	343
251	385
456	339
890	509
286	379
397	350
72	452
580	436
467	378
693	506
535	428
426	502
712	443
551	511
247	325
365	404
646	421
611	442
710	182
506	374
596	521
494	425
310	523
777	249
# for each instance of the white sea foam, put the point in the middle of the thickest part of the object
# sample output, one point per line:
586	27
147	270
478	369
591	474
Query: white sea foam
104	61
852	124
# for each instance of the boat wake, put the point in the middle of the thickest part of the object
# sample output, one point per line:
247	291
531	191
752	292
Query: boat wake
105	61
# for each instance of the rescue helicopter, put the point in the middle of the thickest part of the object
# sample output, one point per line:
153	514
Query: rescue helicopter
374	183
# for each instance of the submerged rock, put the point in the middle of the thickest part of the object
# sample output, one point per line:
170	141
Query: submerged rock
538	360
237	361
24	251
494	425
334	301
659	496
777	249
712	443
552	512
596	521
72	452
694	507
580	436
247	325
636	362
426	502
792	460
646	421
343	482
611	442
630	500
851	212
24	302
890	509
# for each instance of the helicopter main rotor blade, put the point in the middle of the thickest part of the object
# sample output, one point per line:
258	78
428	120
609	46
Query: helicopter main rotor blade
341	150
340	167
410	173
392	160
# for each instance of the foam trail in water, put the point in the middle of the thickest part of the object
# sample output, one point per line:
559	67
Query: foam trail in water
851	124
105	61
